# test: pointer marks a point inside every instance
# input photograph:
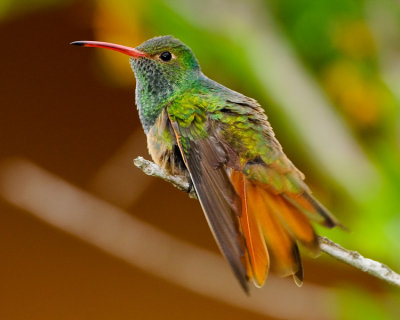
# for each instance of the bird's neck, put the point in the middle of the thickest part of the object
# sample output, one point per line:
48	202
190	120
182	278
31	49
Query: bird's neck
150	102
153	97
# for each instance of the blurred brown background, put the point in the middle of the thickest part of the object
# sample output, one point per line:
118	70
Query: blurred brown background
70	112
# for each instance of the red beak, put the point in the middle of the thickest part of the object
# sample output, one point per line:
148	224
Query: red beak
116	47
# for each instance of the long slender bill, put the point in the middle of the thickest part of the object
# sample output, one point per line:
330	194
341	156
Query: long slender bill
116	47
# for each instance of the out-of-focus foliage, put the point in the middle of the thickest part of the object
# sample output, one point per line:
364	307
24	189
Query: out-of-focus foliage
358	304
334	38
345	50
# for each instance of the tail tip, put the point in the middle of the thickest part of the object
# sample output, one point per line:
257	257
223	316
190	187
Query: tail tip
297	280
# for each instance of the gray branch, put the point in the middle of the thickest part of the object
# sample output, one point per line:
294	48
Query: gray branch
353	258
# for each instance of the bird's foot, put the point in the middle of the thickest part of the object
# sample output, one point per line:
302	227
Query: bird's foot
190	187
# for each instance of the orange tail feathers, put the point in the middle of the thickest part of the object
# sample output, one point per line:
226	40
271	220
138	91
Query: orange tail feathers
271	226
257	253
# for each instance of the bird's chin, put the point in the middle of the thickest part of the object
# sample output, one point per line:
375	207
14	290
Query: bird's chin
133	64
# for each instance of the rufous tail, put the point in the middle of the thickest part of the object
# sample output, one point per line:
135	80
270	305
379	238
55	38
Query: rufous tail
272	224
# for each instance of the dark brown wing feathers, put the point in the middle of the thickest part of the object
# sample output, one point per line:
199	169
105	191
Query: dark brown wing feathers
218	198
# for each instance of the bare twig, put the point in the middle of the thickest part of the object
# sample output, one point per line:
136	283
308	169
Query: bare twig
353	258
151	169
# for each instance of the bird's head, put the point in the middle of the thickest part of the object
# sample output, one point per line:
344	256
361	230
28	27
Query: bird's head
161	63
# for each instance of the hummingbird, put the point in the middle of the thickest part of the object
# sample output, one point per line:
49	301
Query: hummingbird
255	200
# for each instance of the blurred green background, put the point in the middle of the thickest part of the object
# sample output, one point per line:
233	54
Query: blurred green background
326	72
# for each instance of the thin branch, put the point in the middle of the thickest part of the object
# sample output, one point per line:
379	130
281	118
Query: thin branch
353	258
151	169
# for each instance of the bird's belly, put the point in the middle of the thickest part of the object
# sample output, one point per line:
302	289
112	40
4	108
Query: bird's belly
165	152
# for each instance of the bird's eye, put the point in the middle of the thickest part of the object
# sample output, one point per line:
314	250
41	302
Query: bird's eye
166	56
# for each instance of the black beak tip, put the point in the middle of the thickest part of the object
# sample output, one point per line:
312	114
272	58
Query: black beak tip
78	43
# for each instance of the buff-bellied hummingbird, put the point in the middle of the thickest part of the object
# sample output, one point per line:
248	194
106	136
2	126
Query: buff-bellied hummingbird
254	199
